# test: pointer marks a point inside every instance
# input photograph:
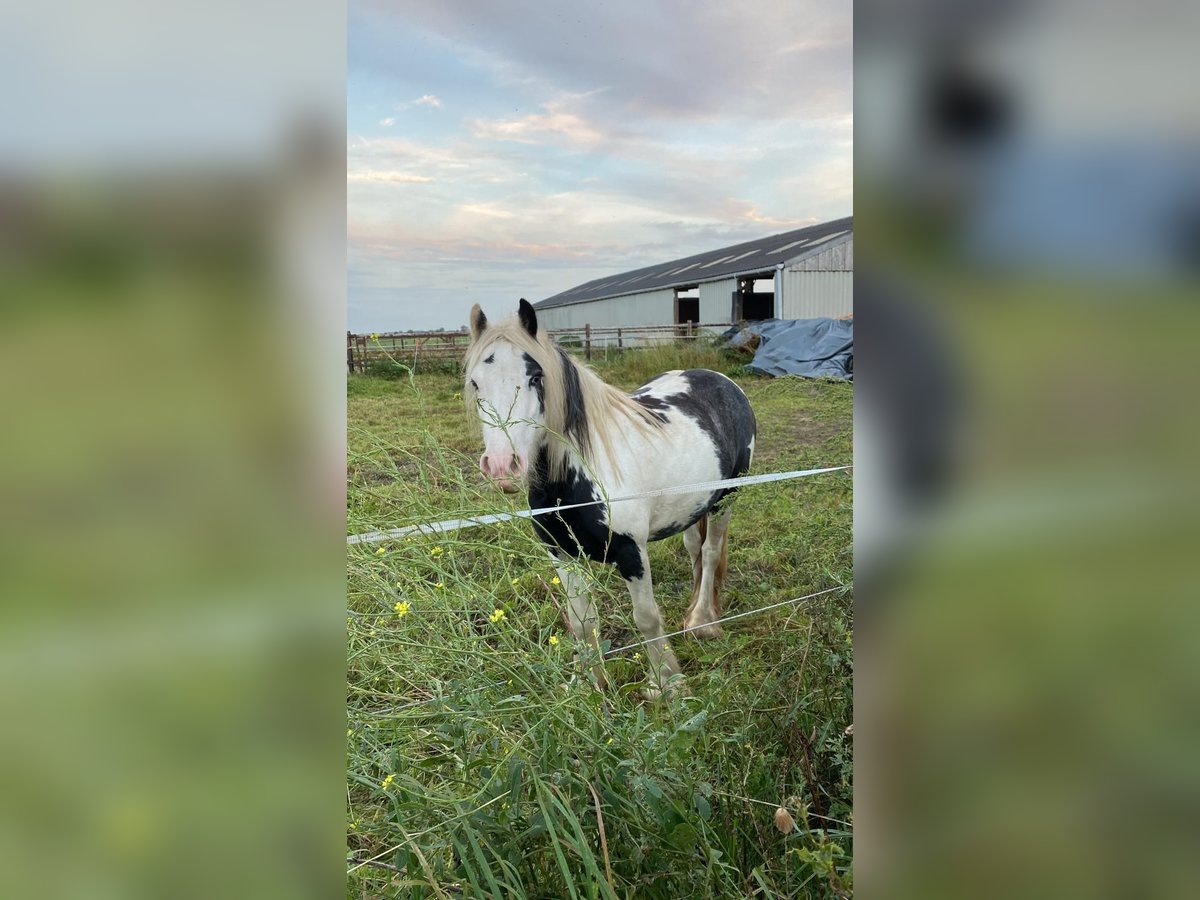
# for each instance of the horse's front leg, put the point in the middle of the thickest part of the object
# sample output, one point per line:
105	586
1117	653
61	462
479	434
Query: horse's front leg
581	616
635	569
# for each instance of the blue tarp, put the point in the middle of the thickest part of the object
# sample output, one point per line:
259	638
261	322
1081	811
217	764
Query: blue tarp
815	348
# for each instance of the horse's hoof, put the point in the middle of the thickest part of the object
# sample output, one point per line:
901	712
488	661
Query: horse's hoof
676	687
706	631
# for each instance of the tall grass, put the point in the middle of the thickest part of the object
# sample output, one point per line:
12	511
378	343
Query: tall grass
482	762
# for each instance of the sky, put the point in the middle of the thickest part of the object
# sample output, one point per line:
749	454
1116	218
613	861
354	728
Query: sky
505	150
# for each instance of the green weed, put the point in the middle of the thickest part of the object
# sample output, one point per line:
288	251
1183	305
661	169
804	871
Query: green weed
481	762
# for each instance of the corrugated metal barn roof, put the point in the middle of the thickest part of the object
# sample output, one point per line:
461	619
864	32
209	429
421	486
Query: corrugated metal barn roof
761	255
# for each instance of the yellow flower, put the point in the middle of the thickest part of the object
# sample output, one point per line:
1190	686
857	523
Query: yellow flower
458	396
435	552
387	782
440	584
554	640
374	336
401	608
354	826
497	616
349	732
516	581
555	580
637	656
381	551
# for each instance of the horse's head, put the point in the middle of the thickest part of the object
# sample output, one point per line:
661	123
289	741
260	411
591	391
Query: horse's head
504	385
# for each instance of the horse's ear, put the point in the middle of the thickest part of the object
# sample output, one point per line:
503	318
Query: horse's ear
478	322
528	317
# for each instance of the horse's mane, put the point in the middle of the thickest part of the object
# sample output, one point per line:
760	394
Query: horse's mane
583	413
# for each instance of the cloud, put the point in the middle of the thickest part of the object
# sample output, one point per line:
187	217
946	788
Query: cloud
586	142
487	210
388	122
692	62
429	100
557	123
377	177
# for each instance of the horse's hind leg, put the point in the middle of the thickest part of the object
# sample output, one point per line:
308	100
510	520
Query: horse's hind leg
714	561
693	539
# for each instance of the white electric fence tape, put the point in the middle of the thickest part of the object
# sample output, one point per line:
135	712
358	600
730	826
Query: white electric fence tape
374	537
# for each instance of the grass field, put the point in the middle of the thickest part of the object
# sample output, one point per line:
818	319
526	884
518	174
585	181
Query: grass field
482	763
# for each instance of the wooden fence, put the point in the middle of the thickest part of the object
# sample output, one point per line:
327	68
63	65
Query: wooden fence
412	348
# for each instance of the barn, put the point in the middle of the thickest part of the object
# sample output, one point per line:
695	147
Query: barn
800	274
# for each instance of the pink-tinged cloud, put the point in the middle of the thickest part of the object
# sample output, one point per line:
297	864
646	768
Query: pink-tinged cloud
556	123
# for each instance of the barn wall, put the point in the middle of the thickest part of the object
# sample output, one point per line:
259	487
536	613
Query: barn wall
819	285
808	295
837	258
715	300
650	308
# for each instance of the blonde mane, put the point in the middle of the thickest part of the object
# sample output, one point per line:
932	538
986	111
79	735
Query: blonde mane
583	414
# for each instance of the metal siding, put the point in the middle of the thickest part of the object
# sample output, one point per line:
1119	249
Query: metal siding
716	304
747	258
809	295
552	318
650	308
838	257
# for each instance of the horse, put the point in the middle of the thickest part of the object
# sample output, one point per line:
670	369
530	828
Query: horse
554	424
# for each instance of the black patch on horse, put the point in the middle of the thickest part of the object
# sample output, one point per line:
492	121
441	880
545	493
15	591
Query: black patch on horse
654	405
491	358
575	429
534	373
722	411
579	532
696	516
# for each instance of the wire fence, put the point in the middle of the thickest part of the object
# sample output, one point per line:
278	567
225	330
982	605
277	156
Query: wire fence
413	348
374	537
376	859
609	654
697	487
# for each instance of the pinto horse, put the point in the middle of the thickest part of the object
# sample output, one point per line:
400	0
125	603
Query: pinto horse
554	424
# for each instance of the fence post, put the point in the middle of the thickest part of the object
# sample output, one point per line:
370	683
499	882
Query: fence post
689	329
587	340
349	352
620	342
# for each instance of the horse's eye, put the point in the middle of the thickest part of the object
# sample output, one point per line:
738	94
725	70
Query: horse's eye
535	380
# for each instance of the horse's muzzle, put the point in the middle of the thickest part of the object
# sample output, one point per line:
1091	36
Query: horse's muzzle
506	469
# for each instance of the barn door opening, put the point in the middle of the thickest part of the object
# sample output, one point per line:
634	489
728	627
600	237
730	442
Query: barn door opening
750	305
687	310
687	307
